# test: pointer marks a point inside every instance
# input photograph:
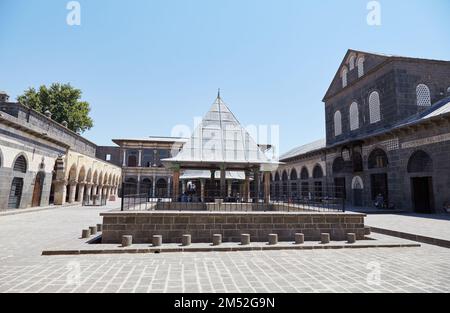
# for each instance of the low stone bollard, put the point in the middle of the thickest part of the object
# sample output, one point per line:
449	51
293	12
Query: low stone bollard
186	240
325	238
217	239
93	230
367	230
245	239
299	239
127	241
273	239
351	238
157	241
85	233
100	227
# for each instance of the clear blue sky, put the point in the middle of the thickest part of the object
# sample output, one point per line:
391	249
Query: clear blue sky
146	65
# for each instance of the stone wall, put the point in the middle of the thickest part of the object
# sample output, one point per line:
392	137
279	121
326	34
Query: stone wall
202	225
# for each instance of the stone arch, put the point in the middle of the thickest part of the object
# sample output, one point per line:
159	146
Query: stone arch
317	172
304	174
338	165
146	186
161	187
357	183
277	176
95	178
72	174
420	162
100	178
20	163
82	174
378	159
89	176
293	175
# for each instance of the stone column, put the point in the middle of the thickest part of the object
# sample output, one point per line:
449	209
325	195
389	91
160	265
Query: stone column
124	162
257	183
267	187
169	184
60	192
202	190
72	190
223	182
230	184
176	183
99	192
154	187
140	158
81	191
183	186
246	186
88	191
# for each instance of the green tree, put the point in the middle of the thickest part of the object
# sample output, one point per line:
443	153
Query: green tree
64	103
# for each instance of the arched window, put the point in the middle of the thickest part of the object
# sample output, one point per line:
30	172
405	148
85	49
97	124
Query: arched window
337	123
338	165
277	176
420	162
317	172
293	174
146	187
351	62
423	96
360	66
354	116
344	74
304	175
374	107
20	165
161	188
357	183
378	159
132	160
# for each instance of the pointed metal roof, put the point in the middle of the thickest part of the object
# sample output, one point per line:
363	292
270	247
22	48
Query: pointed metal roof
220	139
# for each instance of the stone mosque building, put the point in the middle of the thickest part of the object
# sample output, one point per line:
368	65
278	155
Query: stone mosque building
387	122
43	162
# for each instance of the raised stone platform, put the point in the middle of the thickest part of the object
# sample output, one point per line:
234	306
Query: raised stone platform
142	225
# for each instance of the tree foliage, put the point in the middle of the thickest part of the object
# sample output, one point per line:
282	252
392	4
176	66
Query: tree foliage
64	103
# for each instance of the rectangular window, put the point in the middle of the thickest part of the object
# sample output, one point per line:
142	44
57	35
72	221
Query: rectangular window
108	157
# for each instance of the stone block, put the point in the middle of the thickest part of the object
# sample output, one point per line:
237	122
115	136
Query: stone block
85	233
325	238
299	238
217	239
186	240
157	240
245	239
93	230
273	239
127	241
351	238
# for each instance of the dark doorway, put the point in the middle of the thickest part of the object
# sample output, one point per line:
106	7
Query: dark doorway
37	191
379	184
422	191
15	194
358	197
340	191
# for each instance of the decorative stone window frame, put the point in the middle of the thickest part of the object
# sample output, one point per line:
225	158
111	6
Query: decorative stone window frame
354	116
374	112
423	95
337	119
344	76
360	65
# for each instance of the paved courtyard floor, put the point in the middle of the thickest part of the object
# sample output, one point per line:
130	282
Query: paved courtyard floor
23	269
435	226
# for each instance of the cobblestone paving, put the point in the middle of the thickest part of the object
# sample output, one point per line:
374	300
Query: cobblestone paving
22	269
434	226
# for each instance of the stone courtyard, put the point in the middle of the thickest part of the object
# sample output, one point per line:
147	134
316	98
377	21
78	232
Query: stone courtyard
23	269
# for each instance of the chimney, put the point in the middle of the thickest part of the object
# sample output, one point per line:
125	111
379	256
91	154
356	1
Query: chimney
3	97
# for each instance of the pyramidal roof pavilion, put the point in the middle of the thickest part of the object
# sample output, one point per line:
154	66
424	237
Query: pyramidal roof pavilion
221	143
220	140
